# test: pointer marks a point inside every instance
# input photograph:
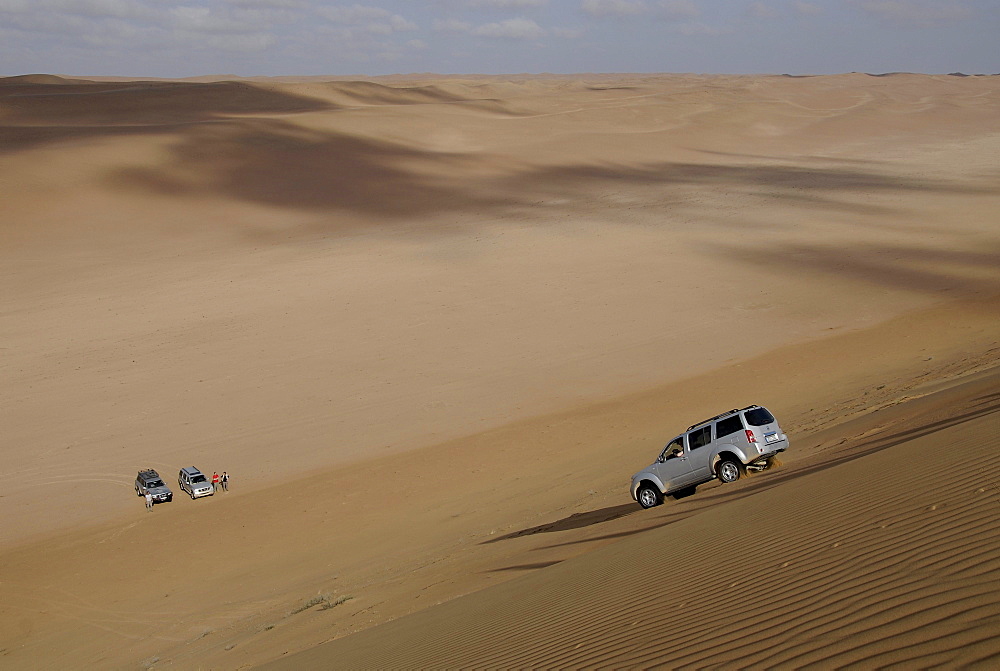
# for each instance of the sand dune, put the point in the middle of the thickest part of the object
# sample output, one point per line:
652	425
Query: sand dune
432	324
889	559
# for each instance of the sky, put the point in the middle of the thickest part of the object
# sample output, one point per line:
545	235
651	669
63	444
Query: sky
182	38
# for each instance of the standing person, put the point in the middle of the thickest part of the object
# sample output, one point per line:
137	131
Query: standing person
215	482
149	500
225	481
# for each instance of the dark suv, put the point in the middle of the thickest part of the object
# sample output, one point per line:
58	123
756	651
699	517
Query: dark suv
150	481
721	447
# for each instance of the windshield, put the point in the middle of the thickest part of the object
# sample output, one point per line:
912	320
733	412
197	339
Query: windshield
198	478
156	483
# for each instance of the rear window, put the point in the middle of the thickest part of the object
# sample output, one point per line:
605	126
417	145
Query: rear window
728	426
758	417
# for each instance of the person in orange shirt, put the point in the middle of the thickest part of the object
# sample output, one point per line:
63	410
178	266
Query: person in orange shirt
215	481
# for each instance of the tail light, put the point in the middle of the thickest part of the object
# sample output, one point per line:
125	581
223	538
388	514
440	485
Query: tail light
750	437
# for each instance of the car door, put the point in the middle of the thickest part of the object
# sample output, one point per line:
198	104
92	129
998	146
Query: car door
699	455
674	471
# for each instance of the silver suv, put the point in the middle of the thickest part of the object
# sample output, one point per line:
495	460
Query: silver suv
722	447
194	482
149	480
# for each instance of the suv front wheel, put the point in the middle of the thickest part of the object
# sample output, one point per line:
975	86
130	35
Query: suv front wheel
728	470
649	496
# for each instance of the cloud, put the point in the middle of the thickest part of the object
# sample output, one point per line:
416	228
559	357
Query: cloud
696	28
452	26
670	10
762	10
519	29
568	33
202	19
914	13
120	9
807	8
269	4
614	7
502	4
678	10
240	43
372	19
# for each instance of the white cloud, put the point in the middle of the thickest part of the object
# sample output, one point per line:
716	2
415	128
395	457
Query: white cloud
614	7
452	25
568	33
678	10
914	12
122	9
521	29
373	19
807	8
269	4
503	4
352	15
240	43
703	29
762	10
203	19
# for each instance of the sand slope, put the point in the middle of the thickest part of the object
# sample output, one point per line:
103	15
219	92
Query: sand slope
891	559
431	324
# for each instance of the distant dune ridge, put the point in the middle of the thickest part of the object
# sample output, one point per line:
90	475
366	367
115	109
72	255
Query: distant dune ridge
431	325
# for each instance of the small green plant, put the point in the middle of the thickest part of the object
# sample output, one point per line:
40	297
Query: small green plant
315	601
340	599
323	601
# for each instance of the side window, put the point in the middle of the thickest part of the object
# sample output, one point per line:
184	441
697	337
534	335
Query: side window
676	445
728	426
700	437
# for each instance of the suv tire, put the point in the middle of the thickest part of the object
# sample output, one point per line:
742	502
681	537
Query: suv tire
649	496
729	470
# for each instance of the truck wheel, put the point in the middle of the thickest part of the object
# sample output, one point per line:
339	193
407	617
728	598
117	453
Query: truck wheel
728	470
649	496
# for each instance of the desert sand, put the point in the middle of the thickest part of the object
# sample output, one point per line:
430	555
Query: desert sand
432	325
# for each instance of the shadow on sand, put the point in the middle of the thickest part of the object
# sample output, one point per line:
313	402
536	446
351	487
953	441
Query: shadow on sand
574	521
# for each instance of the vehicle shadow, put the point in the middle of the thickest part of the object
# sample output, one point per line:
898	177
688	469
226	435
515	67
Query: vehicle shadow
574	521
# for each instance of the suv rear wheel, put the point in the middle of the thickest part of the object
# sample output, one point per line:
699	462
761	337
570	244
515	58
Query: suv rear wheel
649	496
728	470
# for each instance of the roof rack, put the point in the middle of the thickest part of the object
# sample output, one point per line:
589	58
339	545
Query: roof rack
712	419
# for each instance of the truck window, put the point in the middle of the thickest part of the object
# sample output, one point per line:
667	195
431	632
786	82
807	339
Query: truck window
700	437
759	417
728	426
